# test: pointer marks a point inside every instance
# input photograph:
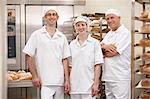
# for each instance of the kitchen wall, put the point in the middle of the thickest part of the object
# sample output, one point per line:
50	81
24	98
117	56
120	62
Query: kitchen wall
2	51
92	6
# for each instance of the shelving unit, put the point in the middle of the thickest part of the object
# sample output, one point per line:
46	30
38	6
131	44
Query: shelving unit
136	58
98	28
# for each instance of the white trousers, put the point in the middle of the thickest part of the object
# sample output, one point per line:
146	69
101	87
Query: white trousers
82	96
118	90
52	92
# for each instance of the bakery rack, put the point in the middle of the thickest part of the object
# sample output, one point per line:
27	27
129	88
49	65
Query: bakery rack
138	49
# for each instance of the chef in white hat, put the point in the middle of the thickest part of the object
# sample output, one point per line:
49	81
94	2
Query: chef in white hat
51	49
86	59
116	47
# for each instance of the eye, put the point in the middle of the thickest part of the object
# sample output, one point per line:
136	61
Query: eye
78	25
83	24
51	14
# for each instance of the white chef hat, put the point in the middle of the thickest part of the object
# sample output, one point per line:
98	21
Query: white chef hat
113	11
46	9
82	19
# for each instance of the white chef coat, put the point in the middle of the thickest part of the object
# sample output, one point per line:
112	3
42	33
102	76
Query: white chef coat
49	52
118	67
84	57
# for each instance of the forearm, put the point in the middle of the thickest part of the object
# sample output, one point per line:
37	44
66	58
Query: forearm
110	54
66	69
109	50
31	66
97	72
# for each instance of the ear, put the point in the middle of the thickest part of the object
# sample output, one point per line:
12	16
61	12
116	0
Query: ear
57	17
43	17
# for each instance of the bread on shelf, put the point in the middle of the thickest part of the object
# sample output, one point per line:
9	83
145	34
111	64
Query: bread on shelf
145	42
145	82
145	94
20	75
146	56
145	28
144	14
145	69
95	30
96	37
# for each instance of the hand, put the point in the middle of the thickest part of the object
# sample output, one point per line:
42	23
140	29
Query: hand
110	48
94	89
67	87
36	81
110	54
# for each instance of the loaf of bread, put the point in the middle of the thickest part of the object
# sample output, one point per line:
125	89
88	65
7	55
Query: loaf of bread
145	42
145	28
95	29
20	75
145	95
145	82
145	69
144	14
146	56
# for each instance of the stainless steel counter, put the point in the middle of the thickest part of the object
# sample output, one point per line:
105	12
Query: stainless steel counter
23	84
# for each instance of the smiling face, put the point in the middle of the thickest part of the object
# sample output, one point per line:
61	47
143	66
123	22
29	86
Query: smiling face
113	21
81	27
51	17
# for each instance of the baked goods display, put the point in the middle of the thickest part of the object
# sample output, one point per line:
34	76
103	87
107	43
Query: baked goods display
140	46
145	69
20	75
95	30
146	56
144	14
145	28
145	94
96	37
145	42
145	82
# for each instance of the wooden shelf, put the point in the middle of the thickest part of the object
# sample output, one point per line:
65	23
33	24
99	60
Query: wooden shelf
144	45
143	32
141	19
140	86
143	1
139	73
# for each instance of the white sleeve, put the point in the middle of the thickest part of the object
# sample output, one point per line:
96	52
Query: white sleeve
105	40
31	45
98	54
66	50
123	41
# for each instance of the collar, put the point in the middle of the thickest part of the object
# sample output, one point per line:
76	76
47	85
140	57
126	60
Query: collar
89	39
119	29
57	34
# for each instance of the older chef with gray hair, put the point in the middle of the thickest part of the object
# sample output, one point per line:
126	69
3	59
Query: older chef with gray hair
50	48
116	47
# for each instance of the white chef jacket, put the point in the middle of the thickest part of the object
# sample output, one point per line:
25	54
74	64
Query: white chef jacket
84	57
49	53
118	67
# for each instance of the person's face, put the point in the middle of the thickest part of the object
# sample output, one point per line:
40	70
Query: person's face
113	21
51	17
80	27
